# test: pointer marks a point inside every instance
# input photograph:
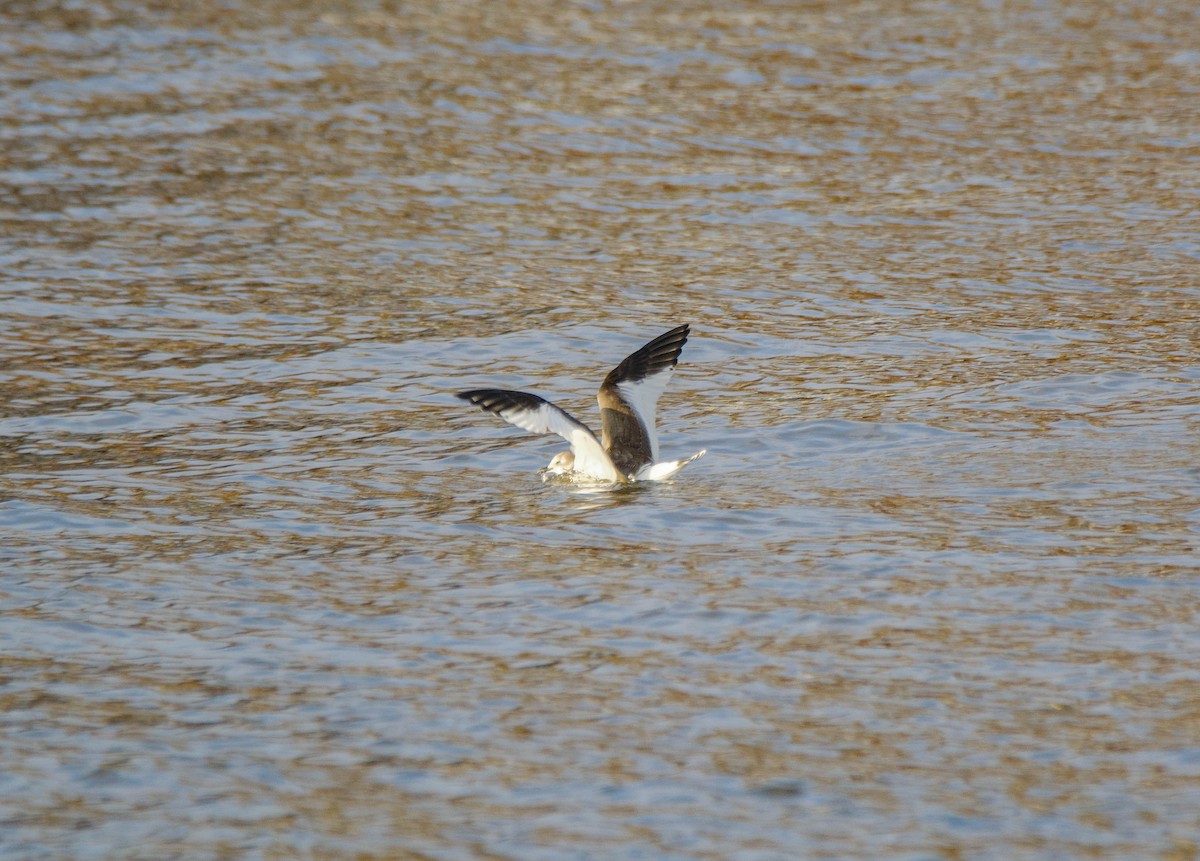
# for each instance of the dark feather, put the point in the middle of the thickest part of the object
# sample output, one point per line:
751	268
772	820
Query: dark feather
498	400
660	354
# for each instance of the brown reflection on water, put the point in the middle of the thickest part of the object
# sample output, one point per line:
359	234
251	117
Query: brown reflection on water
268	588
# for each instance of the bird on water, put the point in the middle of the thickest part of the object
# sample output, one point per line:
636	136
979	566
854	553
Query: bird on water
627	450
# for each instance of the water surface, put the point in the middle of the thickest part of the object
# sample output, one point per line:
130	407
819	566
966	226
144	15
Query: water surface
270	591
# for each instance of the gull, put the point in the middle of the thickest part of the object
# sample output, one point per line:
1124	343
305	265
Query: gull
627	450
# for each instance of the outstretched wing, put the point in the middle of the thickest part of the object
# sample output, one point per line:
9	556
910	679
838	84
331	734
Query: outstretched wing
538	415
629	400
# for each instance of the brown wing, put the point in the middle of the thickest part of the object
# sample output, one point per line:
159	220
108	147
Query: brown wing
629	400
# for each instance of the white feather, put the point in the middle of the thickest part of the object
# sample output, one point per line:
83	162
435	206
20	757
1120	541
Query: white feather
590	457
660	471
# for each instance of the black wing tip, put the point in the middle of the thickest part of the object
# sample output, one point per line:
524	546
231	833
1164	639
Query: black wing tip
682	331
498	400
678	334
660	354
667	347
478	397
489	400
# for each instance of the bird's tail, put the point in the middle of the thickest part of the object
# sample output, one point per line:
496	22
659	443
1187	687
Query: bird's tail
666	469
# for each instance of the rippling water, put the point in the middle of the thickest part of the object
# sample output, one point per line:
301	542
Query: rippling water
269	591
